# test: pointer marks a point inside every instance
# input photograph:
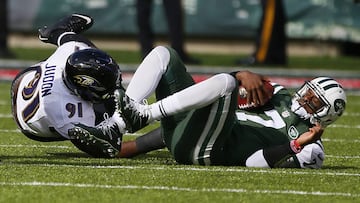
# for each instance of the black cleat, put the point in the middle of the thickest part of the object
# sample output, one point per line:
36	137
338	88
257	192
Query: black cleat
76	23
104	140
134	114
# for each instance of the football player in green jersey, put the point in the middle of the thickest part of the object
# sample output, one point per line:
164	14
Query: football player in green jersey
202	124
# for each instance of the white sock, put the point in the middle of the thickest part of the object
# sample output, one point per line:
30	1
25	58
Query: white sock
194	97
165	107
148	74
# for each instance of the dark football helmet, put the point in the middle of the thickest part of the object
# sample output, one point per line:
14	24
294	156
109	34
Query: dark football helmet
92	74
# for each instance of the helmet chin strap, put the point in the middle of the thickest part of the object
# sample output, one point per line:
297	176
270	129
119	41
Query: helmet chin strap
300	110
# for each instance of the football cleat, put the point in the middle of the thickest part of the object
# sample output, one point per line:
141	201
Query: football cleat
134	114
104	139
76	23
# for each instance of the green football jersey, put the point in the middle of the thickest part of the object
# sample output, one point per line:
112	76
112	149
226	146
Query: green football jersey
271	125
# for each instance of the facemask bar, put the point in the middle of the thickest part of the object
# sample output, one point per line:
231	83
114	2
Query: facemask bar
320	93
323	111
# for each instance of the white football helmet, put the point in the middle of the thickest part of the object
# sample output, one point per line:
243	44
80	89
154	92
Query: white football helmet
332	95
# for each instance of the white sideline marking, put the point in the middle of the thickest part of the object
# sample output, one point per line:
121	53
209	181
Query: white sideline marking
184	189
342	157
351	114
339	140
10	131
35	146
205	169
3	102
5	115
18	131
344	126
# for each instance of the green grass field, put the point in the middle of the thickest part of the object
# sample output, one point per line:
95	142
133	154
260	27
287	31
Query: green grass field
126	57
57	172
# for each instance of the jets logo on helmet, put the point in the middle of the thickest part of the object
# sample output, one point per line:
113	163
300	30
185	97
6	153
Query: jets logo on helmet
339	106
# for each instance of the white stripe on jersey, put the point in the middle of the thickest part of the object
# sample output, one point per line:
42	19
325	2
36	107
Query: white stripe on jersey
210	122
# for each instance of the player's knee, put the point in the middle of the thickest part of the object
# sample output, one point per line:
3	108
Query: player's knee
158	59
226	81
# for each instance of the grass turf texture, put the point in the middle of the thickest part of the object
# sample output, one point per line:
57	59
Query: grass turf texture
124	57
57	172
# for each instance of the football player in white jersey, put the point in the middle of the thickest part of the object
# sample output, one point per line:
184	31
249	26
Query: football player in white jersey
74	85
201	123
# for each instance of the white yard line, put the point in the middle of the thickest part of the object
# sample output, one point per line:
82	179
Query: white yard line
35	146
10	131
344	126
4	102
340	140
205	169
183	189
6	116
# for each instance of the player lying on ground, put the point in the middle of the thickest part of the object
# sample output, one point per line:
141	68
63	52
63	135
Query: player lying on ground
74	85
202	124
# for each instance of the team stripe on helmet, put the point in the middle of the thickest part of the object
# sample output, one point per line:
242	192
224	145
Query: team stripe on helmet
331	86
324	79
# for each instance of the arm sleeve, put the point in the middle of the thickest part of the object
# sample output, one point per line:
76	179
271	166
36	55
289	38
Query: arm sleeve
282	156
270	157
234	75
150	141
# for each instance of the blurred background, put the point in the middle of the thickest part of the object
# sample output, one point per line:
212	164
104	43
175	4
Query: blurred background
322	36
333	26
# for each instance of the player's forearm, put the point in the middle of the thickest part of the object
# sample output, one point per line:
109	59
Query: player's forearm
275	155
271	157
128	149
311	136
150	141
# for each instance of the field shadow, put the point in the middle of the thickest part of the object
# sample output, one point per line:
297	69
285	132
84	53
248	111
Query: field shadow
157	154
341	167
83	159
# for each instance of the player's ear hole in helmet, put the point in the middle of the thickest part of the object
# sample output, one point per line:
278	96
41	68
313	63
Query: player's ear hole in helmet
92	74
331	94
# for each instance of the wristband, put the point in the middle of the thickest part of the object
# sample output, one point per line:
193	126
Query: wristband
295	147
234	75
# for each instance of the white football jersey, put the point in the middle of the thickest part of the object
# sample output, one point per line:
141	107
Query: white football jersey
42	105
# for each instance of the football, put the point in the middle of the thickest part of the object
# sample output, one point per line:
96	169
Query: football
242	97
